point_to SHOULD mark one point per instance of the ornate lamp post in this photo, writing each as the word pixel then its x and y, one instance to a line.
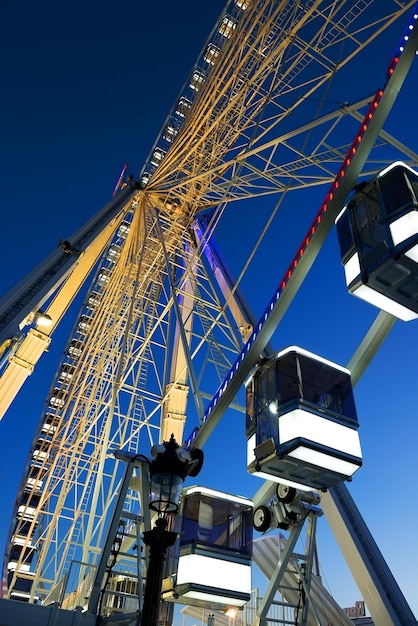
pixel 170 467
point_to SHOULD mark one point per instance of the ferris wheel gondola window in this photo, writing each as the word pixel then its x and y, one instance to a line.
pixel 302 430
pixel 170 133
pixel 183 106
pixel 213 565
pixel 197 80
pixel 211 54
pixel 378 236
pixel 228 25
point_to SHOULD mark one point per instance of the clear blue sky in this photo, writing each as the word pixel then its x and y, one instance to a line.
pixel 86 87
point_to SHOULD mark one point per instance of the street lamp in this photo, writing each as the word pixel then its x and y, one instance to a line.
pixel 167 472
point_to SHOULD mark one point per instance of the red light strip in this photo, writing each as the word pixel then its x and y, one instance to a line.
pixel 125 167
pixel 335 185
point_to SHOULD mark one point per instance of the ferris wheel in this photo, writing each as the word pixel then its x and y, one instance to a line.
pixel 165 338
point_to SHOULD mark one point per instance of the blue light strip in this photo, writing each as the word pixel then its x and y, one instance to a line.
pixel 308 237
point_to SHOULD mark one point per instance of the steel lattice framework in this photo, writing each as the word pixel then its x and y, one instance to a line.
pixel 157 328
